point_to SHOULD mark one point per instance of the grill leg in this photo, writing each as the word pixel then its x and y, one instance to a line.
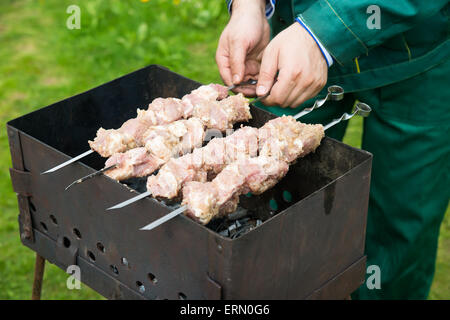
pixel 38 277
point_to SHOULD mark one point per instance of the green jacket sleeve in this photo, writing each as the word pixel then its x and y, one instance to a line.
pixel 342 25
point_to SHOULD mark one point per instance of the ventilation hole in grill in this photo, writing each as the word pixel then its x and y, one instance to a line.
pixel 181 296
pixel 77 233
pixel 101 247
pixel 125 262
pixel 91 255
pixel 53 218
pixel 44 226
pixel 287 196
pixel 114 269
pixel 66 242
pixel 32 207
pixel 140 286
pixel 152 278
pixel 273 204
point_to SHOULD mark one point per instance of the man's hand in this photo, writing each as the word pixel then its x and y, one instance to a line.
pixel 302 69
pixel 242 42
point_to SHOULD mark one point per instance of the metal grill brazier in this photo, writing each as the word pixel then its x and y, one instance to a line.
pixel 310 244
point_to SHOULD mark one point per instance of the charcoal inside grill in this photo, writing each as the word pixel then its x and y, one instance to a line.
pixel 138 184
pixel 237 223
pixel 234 228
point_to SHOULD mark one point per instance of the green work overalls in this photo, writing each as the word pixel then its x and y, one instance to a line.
pixel 402 71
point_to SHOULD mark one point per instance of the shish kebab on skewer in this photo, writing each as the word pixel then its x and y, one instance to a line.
pixel 208 103
pixel 204 201
pixel 166 109
pixel 283 136
pixel 160 111
pixel 280 136
pixel 163 142
pixel 220 196
pixel 160 143
pixel 202 104
pixel 166 180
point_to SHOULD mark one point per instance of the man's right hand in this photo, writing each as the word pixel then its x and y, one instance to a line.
pixel 242 43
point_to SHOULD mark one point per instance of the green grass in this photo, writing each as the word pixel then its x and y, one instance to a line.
pixel 41 62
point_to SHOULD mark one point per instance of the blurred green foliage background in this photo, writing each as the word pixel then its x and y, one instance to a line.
pixel 42 61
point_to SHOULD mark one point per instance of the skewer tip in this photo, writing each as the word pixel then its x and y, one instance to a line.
pixel 164 219
pixel 129 201
pixel 89 176
pixel 72 184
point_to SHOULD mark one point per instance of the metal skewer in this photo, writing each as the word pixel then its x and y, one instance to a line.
pixel 89 176
pixel 260 98
pixel 335 93
pixel 362 110
pixel 84 154
pixel 250 82
pixel 165 218
pixel 130 201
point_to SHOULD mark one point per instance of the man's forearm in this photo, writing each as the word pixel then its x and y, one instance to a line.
pixel 253 6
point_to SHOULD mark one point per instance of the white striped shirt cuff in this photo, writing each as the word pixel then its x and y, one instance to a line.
pixel 325 53
pixel 270 8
